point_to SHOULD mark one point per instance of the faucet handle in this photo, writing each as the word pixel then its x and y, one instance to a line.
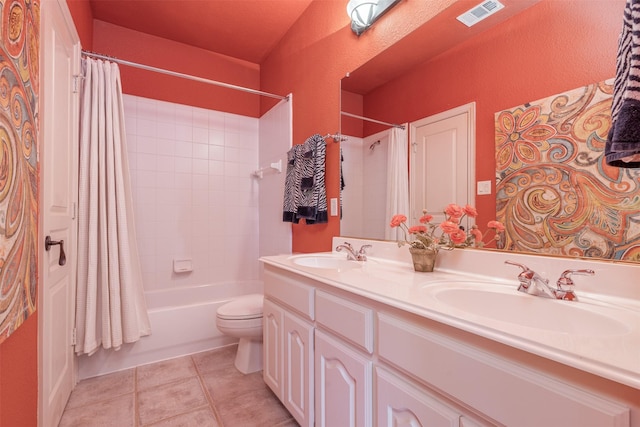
pixel 524 277
pixel 565 283
pixel 363 249
pixel 347 244
pixel 362 253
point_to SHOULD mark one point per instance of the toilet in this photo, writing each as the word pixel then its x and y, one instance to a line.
pixel 242 318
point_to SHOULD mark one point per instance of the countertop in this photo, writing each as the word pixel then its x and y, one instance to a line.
pixel 615 356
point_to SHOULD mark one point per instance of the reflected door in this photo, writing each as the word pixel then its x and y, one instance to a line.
pixel 442 162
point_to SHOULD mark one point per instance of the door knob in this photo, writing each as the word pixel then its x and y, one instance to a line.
pixel 47 245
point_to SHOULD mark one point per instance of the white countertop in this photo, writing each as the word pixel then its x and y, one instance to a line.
pixel 615 356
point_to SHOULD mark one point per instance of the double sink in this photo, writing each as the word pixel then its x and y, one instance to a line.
pixel 494 302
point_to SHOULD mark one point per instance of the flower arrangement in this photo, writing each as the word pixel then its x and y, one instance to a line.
pixel 451 235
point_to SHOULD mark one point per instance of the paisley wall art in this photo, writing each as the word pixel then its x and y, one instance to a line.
pixel 19 73
pixel 554 191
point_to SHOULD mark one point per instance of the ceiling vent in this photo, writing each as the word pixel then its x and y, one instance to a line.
pixel 480 12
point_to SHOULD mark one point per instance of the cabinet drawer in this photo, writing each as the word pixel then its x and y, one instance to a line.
pixel 495 386
pixel 290 292
pixel 346 319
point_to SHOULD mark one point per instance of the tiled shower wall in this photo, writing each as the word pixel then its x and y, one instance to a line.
pixel 194 194
pixel 364 195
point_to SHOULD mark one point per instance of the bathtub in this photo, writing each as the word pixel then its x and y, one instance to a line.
pixel 183 321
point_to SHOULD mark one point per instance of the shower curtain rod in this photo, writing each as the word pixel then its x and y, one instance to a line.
pixel 182 75
pixel 344 113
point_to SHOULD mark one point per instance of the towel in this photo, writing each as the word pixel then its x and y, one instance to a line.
pixel 305 195
pixel 622 148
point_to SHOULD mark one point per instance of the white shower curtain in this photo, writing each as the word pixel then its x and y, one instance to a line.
pixel 397 180
pixel 110 305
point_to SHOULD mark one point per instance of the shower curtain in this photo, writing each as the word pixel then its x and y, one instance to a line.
pixel 110 306
pixel 397 180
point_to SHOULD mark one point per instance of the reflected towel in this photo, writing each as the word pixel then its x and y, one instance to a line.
pixel 622 148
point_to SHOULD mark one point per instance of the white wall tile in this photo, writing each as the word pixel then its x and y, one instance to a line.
pixel 191 201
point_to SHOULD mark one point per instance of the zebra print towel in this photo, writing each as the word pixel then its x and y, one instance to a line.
pixel 305 194
pixel 623 143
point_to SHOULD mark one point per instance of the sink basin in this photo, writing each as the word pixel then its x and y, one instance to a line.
pixel 506 304
pixel 328 261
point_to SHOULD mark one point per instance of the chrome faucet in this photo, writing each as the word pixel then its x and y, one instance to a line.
pixel 352 255
pixel 533 284
pixel 565 284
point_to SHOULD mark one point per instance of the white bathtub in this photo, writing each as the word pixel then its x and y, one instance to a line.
pixel 183 321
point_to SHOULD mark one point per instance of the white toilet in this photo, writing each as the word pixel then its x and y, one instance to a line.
pixel 242 318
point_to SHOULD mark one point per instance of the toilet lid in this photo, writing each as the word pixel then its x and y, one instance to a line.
pixel 244 307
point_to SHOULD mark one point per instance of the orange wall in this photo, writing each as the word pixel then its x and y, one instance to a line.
pixel 83 20
pixel 310 61
pixel 169 55
pixel 552 47
pixel 19 376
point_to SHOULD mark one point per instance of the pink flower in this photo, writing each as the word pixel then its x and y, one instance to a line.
pixel 454 211
pixel 426 218
pixel 449 227
pixel 417 229
pixel 458 237
pixel 470 211
pixel 397 220
pixel 496 224
pixel 476 233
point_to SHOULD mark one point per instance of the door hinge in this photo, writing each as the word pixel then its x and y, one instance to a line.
pixel 73 337
pixel 76 82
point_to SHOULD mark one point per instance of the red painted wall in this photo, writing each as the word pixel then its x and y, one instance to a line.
pixel 552 47
pixel 135 46
pixel 19 376
pixel 83 20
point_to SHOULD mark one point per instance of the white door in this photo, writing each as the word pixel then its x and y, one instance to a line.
pixel 58 179
pixel 442 162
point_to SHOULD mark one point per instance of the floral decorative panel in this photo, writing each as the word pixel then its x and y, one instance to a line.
pixel 555 193
pixel 19 60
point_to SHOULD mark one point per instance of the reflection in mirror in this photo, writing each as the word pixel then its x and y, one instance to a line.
pixel 540 50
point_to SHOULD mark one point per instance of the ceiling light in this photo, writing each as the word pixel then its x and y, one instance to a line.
pixel 363 13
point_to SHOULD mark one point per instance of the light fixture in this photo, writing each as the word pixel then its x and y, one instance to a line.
pixel 363 13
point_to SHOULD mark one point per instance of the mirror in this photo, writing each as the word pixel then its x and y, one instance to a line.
pixel 537 49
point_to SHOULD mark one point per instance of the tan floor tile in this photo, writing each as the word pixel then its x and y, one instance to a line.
pixel 164 372
pixel 253 409
pixel 200 418
pixel 101 388
pixel 170 399
pixel 229 384
pixel 117 412
pixel 209 361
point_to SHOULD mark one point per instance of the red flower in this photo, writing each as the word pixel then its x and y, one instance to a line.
pixel 426 218
pixel 470 211
pixel 449 227
pixel 454 211
pixel 417 229
pixel 476 233
pixel 397 220
pixel 458 237
pixel 496 224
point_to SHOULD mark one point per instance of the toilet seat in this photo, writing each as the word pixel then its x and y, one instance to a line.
pixel 242 308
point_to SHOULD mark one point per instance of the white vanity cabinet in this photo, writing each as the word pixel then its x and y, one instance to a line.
pixel 344 344
pixel 288 338
pixel 341 359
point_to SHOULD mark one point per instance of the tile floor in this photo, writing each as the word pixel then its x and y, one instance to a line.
pixel 199 390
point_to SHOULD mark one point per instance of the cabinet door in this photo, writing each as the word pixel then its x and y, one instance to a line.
pixel 298 369
pixel 273 347
pixel 399 403
pixel 343 384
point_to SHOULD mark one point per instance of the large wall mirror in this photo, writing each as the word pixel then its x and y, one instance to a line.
pixel 534 50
